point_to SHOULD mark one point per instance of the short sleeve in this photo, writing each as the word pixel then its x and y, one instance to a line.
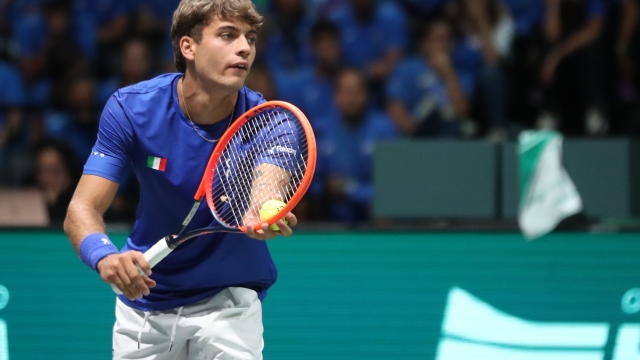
pixel 112 152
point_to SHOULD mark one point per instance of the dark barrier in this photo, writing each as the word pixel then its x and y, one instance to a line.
pixel 440 178
pixel 368 296
pixel 479 180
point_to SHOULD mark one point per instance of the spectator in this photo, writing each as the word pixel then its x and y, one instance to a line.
pixel 346 148
pixel 135 66
pixel 76 122
pixel 101 29
pixel 486 31
pixel 56 176
pixel 286 46
pixel 427 95
pixel 373 34
pixel 312 88
pixel 570 73
pixel 46 48
pixel 152 19
pixel 13 135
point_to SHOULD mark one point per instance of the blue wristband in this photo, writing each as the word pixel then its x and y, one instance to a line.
pixel 94 247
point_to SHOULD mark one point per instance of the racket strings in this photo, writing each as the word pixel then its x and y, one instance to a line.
pixel 266 159
pixel 283 183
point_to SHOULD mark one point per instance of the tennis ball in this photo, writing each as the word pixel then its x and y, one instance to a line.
pixel 269 209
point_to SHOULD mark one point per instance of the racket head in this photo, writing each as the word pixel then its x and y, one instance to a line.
pixel 268 153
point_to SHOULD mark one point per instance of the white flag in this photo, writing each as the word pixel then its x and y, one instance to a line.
pixel 547 194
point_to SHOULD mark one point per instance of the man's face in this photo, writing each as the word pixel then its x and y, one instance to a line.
pixel 135 61
pixel 438 39
pixel 225 53
pixel 351 94
pixel 50 169
pixel 326 49
pixel 81 95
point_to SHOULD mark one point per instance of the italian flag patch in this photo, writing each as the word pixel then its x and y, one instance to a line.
pixel 156 163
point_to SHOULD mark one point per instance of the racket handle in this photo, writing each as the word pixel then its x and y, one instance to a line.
pixel 153 256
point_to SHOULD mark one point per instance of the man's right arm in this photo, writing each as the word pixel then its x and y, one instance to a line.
pixel 84 218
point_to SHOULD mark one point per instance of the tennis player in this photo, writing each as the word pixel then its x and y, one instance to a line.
pixel 204 300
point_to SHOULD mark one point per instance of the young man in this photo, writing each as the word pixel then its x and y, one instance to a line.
pixel 203 300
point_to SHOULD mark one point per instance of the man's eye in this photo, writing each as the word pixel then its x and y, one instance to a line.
pixel 251 39
pixel 226 36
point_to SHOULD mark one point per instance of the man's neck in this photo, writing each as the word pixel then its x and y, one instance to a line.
pixel 205 104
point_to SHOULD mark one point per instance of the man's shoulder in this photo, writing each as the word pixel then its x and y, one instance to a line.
pixel 251 98
pixel 144 101
pixel 158 83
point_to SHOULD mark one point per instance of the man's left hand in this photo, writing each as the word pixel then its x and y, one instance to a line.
pixel 267 233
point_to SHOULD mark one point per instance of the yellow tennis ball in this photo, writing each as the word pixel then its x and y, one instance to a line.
pixel 269 209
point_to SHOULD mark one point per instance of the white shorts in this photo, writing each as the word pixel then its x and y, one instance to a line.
pixel 224 327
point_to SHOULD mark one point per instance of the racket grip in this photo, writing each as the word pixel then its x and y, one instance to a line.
pixel 153 256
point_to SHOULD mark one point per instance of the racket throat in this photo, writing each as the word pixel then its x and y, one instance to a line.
pixel 187 220
pixel 169 240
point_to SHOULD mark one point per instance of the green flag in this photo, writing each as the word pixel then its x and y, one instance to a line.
pixel 547 194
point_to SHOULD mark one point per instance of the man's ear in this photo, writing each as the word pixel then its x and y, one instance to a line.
pixel 187 47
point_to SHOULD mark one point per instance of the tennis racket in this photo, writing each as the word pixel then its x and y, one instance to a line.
pixel 268 153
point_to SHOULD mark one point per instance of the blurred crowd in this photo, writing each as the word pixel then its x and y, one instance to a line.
pixel 362 71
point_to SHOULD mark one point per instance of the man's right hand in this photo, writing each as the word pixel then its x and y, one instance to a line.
pixel 121 270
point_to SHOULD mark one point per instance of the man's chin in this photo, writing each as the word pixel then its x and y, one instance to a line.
pixel 234 84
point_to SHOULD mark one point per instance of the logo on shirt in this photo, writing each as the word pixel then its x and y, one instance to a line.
pixel 156 163
pixel 281 149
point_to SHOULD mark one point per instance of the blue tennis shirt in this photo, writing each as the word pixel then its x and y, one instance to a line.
pixel 143 125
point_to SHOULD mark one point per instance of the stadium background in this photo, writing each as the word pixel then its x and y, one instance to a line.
pixel 375 267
